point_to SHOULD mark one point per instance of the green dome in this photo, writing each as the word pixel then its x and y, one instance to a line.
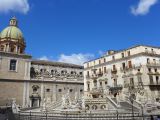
pixel 11 38
pixel 12 32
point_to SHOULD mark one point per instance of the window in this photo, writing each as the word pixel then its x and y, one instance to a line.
pixel 115 82
pixel 47 90
pixel 52 72
pixel 35 88
pixel 152 50
pixel 122 55
pixel 0 62
pixel 105 71
pixel 88 86
pixel 155 70
pixel 99 61
pixel 130 64
pixel 157 79
pixel 139 79
pixel 32 72
pixel 149 69
pixel 104 60
pixel 12 48
pixel 151 79
pixel 87 64
pixel 88 73
pixel 95 83
pixel 131 81
pixel 41 70
pixel 59 90
pixel 154 61
pixel 72 72
pixel 100 71
pixel 71 90
pixel 13 65
pixel 148 60
pixel 80 73
pixel 94 72
pixel 2 48
pixel 62 72
pixel 129 53
pixel 123 66
pixel 113 58
pixel 101 84
pixel 114 67
pixel 21 50
pixel 106 82
pixel 81 90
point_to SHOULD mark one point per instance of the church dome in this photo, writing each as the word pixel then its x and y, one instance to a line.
pixel 12 32
pixel 11 38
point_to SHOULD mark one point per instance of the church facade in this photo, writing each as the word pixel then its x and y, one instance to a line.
pixel 31 82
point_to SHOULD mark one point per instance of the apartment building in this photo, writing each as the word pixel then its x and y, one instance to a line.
pixel 121 74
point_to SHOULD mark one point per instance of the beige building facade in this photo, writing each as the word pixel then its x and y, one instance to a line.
pixel 32 82
pixel 122 75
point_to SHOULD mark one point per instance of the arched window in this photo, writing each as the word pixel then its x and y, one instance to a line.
pixel 94 107
pixel 72 72
pixel 52 72
pixel 21 51
pixel 32 72
pixel 2 48
pixel 80 73
pixel 62 72
pixel 12 48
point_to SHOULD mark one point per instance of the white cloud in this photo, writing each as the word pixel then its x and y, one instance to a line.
pixel 21 6
pixel 43 58
pixel 75 58
pixel 78 59
pixel 143 7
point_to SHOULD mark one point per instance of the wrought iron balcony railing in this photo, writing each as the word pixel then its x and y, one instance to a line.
pixel 114 71
pixel 116 87
pixel 153 64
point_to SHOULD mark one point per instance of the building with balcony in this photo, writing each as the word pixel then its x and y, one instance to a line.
pixel 120 74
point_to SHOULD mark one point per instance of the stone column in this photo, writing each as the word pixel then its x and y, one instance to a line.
pixel 42 91
pixel 26 98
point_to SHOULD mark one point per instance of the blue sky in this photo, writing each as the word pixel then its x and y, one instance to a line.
pixel 78 30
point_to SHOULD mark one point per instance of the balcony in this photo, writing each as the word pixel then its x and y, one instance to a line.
pixel 94 76
pixel 126 68
pixel 153 64
pixel 150 52
pixel 87 77
pixel 100 74
pixel 154 86
pixel 96 90
pixel 115 87
pixel 126 85
pixel 114 71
